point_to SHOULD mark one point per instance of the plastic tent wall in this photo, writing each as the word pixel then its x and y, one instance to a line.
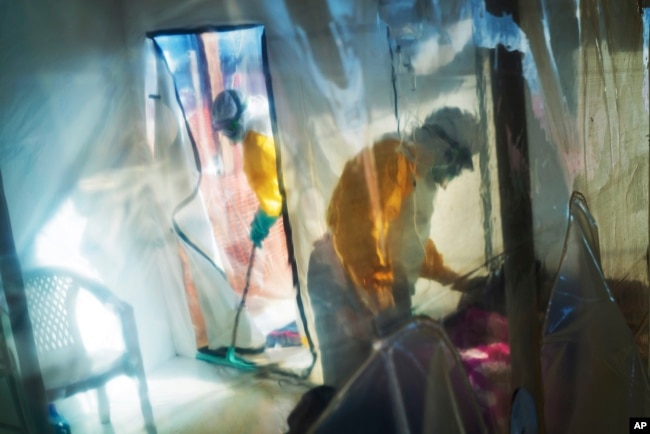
pixel 593 376
pixel 415 382
pixel 399 389
pixel 74 146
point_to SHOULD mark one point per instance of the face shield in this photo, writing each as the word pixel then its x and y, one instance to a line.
pixel 456 158
pixel 451 133
pixel 228 114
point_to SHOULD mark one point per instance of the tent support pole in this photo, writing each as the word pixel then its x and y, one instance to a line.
pixel 508 90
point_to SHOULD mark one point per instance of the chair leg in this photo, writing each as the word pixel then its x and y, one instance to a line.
pixel 145 404
pixel 103 404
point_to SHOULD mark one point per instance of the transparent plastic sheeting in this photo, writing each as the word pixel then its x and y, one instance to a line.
pixel 222 203
pixel 594 379
pixel 214 298
pixel 414 383
pixel 92 182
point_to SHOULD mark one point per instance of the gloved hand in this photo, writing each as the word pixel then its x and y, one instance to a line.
pixel 260 227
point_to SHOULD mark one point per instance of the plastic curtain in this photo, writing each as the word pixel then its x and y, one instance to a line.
pixel 76 151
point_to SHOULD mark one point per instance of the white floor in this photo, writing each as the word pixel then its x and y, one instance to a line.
pixel 191 396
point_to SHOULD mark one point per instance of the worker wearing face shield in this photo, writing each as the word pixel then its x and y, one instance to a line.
pixel 247 122
pixel 382 229
pixel 365 268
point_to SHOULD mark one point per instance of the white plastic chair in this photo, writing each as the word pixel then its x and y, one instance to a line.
pixel 66 366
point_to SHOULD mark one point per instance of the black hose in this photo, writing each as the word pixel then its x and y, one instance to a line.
pixel 242 303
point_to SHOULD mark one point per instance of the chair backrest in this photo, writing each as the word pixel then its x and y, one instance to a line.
pixel 51 300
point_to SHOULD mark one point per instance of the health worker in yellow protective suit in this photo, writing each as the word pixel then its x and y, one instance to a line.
pixel 248 122
pixel 363 271
pixel 380 212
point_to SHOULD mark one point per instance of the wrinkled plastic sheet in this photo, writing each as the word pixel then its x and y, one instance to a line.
pixel 594 379
pixel 413 383
pixel 84 190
